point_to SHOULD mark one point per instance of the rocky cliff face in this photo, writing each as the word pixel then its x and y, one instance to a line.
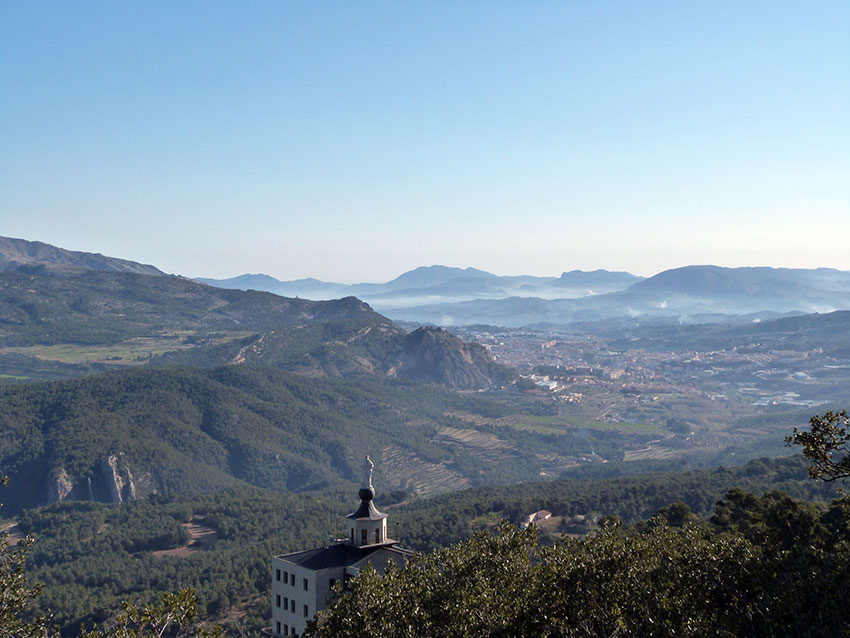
pixel 110 481
pixel 59 486
pixel 118 480
pixel 434 355
pixel 353 348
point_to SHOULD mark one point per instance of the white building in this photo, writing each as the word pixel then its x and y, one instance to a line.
pixel 303 581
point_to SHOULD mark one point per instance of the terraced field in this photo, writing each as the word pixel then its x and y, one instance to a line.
pixel 482 444
pixel 558 424
pixel 422 477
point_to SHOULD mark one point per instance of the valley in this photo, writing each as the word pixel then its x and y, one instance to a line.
pixel 440 320
pixel 711 386
pixel 163 428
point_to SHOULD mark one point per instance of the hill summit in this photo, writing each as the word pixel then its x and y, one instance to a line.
pixel 15 253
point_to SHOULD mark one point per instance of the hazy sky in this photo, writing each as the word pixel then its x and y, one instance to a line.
pixel 354 141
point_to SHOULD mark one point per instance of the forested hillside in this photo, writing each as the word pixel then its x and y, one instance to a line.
pixel 61 324
pixel 446 518
pixel 94 307
pixel 129 433
pixel 91 556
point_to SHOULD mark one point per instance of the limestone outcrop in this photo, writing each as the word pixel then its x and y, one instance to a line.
pixel 110 481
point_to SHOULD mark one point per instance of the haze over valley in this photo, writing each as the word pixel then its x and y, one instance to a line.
pixel 466 319
pixel 549 397
pixel 692 294
pixel 123 383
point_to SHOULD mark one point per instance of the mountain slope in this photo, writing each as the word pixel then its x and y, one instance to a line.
pixel 341 337
pixel 347 348
pixel 20 252
pixel 778 285
pixel 130 433
pixel 433 355
pixel 107 307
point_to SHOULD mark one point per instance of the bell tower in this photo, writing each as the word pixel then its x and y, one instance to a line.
pixel 367 526
pixel 303 581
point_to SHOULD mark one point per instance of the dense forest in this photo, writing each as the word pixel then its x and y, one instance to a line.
pixel 187 430
pixel 38 306
pixel 91 556
pixel 98 319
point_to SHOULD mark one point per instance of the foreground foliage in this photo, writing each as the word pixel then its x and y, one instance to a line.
pixel 827 445
pixel 16 593
pixel 762 567
pixel 173 617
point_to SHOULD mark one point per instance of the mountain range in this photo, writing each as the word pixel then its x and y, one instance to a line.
pixel 446 296
pixel 214 401
pixel 58 305
pixel 442 284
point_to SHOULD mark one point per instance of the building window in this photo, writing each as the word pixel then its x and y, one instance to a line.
pixel 277 577
pixel 292 605
pixel 305 611
pixel 285 629
pixel 285 602
pixel 278 627
pixel 378 535
pixel 331 584
pixel 292 579
pixel 285 577
pixel 305 584
pixel 352 534
pixel 278 600
pixel 364 536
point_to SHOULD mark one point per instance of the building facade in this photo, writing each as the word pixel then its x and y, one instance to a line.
pixel 303 581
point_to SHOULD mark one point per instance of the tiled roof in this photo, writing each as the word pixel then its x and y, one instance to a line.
pixel 368 510
pixel 345 555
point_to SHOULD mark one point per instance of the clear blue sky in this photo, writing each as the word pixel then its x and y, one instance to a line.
pixel 353 141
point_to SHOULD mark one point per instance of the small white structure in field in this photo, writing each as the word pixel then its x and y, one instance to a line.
pixel 542 515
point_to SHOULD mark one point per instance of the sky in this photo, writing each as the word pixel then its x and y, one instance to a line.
pixel 354 141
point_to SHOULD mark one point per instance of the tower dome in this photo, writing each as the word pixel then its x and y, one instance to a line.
pixel 367 525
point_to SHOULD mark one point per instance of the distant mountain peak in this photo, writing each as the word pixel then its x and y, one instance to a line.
pixel 434 355
pixel 424 276
pixel 15 253
pixel 780 289
pixel 597 278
